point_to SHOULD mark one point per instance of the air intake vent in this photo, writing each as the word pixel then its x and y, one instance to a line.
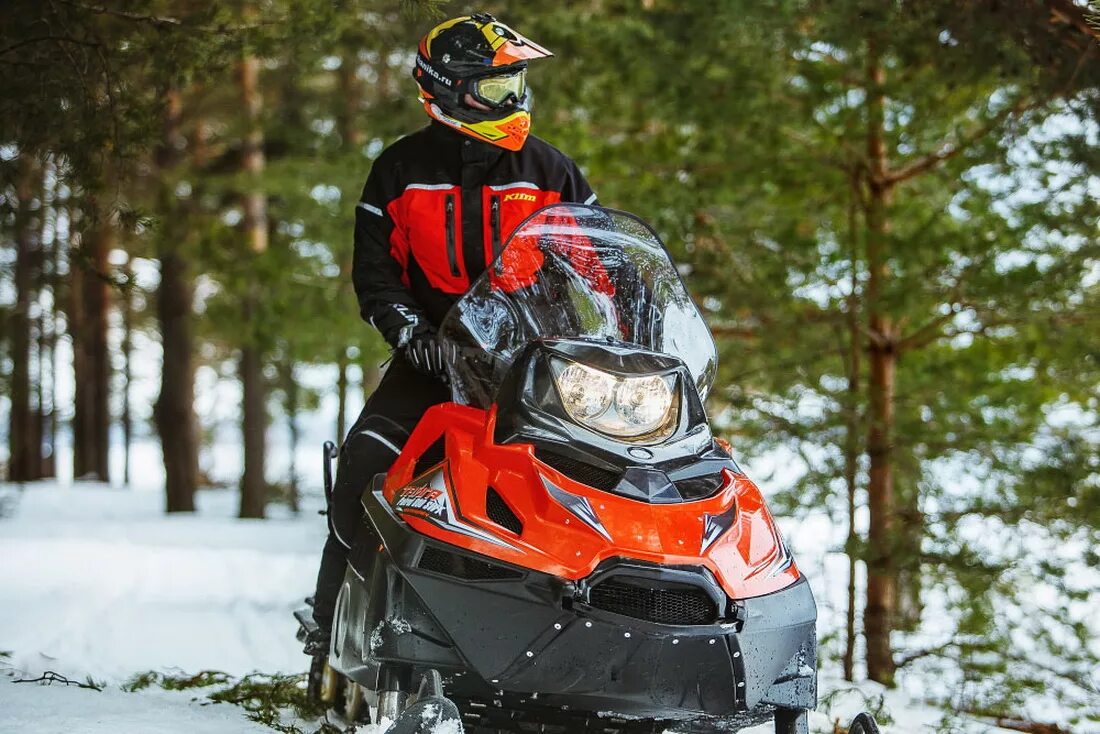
pixel 464 567
pixel 669 605
pixel 499 512
pixel 431 456
pixel 580 471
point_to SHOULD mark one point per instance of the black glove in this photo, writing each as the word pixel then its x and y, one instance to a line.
pixel 427 354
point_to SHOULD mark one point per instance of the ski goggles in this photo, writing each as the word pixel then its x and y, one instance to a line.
pixel 500 90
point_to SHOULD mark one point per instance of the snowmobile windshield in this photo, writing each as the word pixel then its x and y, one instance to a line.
pixel 574 271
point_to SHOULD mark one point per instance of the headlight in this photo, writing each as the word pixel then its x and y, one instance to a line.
pixel 627 407
pixel 586 393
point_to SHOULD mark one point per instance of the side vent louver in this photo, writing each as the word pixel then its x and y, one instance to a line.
pixel 463 567
pixel 499 512
pixel 431 456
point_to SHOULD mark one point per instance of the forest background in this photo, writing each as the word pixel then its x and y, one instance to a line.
pixel 887 211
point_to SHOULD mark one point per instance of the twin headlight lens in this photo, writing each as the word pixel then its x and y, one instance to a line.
pixel 628 407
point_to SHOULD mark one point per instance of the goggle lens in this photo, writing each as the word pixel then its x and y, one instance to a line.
pixel 499 89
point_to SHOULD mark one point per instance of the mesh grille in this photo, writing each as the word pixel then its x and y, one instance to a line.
pixel 431 456
pixel 462 567
pixel 499 512
pixel 697 488
pixel 675 605
pixel 581 471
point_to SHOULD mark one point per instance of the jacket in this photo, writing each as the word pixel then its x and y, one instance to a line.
pixel 436 210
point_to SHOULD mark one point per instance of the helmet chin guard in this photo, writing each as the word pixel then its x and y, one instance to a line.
pixel 478 57
pixel 509 132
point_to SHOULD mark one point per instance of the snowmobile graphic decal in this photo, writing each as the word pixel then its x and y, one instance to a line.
pixel 783 557
pixel 578 506
pixel 428 497
pixel 715 526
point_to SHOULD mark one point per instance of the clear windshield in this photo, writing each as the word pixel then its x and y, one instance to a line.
pixel 574 271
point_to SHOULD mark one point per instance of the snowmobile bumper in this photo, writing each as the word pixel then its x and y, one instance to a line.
pixel 493 628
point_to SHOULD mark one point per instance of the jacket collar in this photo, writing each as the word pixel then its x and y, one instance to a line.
pixel 473 151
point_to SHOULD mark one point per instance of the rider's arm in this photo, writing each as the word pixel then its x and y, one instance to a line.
pixel 576 189
pixel 378 271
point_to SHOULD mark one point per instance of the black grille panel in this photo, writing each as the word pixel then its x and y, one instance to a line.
pixel 463 567
pixel 431 456
pixel 580 471
pixel 668 605
pixel 499 512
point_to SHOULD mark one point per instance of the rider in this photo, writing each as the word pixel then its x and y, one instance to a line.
pixel 437 208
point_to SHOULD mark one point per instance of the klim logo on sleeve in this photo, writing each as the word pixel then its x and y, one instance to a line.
pixel 519 197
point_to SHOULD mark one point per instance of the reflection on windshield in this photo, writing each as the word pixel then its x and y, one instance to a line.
pixel 574 271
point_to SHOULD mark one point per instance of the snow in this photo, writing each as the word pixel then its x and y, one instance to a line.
pixel 58 709
pixel 98 581
pixel 102 580
pixel 399 626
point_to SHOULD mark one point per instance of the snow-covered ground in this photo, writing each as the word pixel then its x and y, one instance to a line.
pixel 98 581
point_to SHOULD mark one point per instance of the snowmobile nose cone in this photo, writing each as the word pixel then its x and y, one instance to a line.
pixel 648 485
pixel 430 715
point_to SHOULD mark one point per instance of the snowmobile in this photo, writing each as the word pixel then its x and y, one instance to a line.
pixel 567 547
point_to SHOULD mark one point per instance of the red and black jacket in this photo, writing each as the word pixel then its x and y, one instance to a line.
pixel 436 210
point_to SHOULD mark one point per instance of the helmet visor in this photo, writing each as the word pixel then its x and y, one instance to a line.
pixel 501 90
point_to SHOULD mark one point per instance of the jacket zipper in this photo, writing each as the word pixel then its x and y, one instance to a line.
pixel 494 223
pixel 452 253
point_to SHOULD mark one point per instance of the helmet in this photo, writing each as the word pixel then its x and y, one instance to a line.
pixel 480 56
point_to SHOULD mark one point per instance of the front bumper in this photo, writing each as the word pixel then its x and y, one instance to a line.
pixel 521 632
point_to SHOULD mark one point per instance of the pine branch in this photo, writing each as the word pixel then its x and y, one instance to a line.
pixel 1014 722
pixel 927 333
pixel 49 677
pixel 947 151
pixel 37 39
pixel 164 21
pixel 1083 19
pixel 740 332
pixel 157 21
pixel 915 655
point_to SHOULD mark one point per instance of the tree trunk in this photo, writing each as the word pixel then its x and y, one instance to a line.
pixel 881 574
pixel 253 484
pixel 38 411
pixel 174 413
pixel 23 450
pixel 852 434
pixel 91 360
pixel 341 396
pixel 75 324
pixel 127 353
pixel 254 200
pixel 47 387
pixel 293 405
pixel 351 93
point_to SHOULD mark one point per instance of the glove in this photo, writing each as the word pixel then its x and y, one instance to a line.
pixel 427 354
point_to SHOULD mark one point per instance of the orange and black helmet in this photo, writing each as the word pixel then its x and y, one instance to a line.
pixel 479 56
